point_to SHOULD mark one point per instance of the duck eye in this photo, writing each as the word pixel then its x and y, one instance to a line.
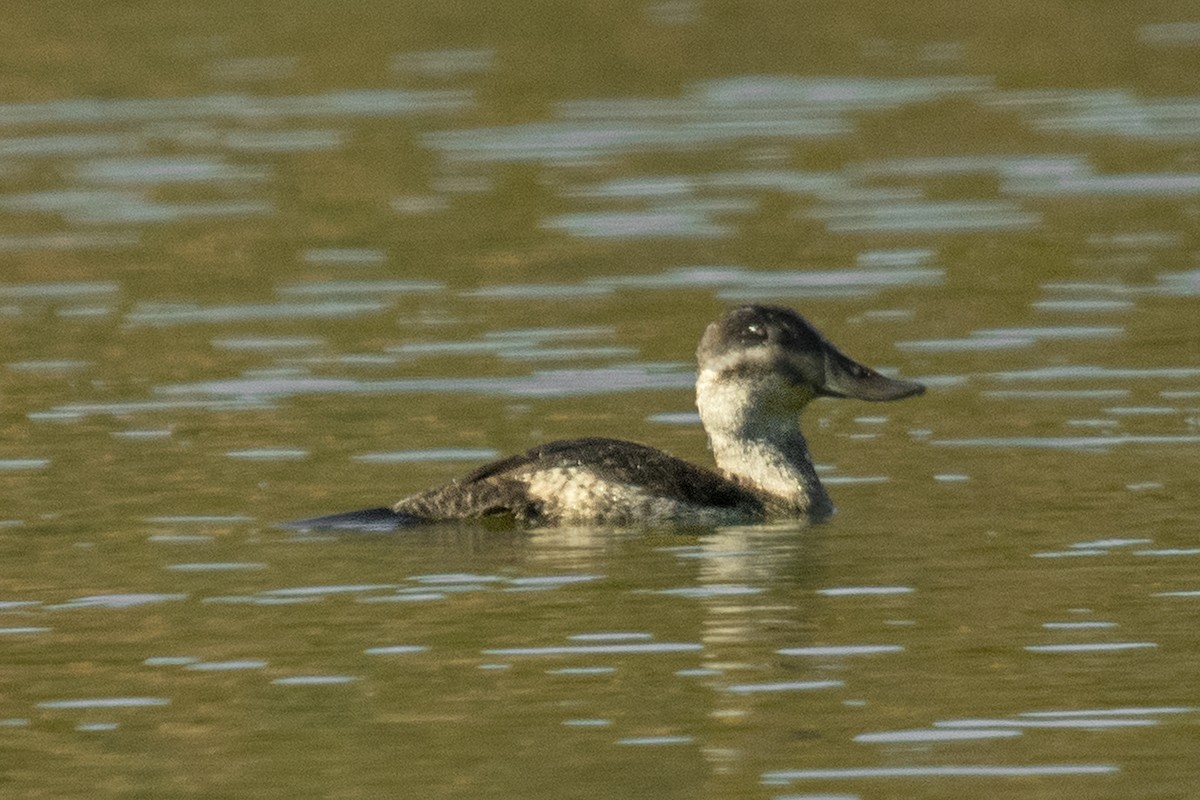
pixel 756 332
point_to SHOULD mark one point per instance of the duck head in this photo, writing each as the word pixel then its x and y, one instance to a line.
pixel 781 363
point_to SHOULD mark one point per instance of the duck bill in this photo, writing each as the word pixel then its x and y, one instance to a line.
pixel 845 377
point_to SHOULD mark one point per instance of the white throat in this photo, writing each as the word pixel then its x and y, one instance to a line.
pixel 753 430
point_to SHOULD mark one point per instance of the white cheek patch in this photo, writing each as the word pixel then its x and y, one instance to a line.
pixel 730 400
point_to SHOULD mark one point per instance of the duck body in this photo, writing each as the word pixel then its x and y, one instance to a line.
pixel 589 481
pixel 759 367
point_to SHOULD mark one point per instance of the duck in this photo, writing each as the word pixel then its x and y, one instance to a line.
pixel 759 367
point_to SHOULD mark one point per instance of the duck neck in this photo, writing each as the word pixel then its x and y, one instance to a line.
pixel 761 449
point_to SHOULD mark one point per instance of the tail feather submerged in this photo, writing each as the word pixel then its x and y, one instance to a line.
pixel 368 520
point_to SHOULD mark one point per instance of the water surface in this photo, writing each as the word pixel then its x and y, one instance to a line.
pixel 252 271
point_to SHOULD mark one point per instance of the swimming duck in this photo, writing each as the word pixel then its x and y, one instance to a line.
pixel 759 367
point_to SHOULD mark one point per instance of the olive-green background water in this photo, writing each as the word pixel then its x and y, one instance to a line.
pixel 268 260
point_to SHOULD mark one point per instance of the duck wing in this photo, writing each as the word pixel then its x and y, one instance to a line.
pixel 622 462
pixel 561 479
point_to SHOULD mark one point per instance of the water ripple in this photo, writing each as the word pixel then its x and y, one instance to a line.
pixel 549 383
pixel 106 702
pixel 601 649
pixel 941 771
pixel 923 735
pixel 360 102
pixel 842 650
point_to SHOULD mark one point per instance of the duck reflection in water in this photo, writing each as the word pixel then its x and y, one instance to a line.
pixel 759 367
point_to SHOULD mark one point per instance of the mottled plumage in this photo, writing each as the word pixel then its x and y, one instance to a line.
pixel 579 480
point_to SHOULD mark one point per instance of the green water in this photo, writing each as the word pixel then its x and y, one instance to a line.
pixel 270 260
